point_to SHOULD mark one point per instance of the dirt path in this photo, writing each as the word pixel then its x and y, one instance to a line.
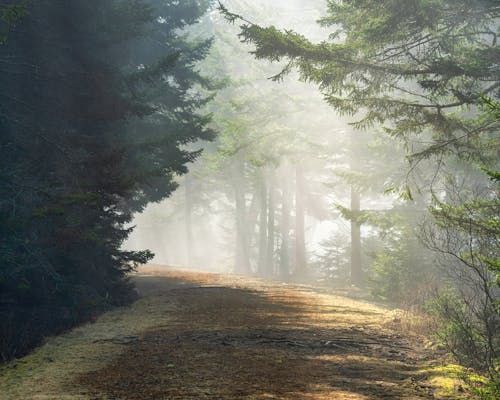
pixel 233 338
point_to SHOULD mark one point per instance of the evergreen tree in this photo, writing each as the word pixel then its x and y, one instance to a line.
pixel 10 14
pixel 424 70
pixel 95 106
pixel 411 65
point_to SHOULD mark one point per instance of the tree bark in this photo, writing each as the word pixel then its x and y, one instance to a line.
pixel 300 240
pixel 262 268
pixel 188 220
pixel 356 267
pixel 284 265
pixel 271 206
pixel 242 252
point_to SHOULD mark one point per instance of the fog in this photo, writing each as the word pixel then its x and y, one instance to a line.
pixel 274 180
pixel 311 153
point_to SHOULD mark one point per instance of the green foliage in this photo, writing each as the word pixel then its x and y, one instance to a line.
pixel 468 336
pixel 487 391
pixel 262 133
pixel 10 14
pixel 420 67
pixel 89 136
pixel 491 106
pixel 334 260
pixel 465 234
pixel 428 72
pixel 403 272
pixel 478 219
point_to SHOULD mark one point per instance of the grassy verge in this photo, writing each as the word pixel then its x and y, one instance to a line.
pixel 456 382
pixel 51 368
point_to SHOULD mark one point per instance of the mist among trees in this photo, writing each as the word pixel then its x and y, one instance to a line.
pixel 351 145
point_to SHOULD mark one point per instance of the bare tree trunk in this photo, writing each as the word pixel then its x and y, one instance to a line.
pixel 262 263
pixel 284 266
pixel 188 220
pixel 271 206
pixel 252 222
pixel 242 251
pixel 356 267
pixel 300 240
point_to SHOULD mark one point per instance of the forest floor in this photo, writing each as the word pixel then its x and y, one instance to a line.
pixel 206 336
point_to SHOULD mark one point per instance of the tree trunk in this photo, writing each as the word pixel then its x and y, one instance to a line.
pixel 188 220
pixel 252 221
pixel 242 252
pixel 356 268
pixel 262 268
pixel 271 206
pixel 284 266
pixel 300 240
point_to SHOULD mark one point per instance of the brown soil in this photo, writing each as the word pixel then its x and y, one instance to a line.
pixel 240 338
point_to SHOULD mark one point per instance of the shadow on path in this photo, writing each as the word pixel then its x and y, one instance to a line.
pixel 257 343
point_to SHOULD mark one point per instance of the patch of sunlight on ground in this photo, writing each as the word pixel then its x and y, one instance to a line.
pixel 49 372
pixel 318 392
pixel 449 380
pixel 325 392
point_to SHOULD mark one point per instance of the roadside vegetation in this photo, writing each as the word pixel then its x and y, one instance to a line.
pixel 346 144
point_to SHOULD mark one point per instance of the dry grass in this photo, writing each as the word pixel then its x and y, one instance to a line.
pixel 412 323
pixel 205 336
pixel 48 373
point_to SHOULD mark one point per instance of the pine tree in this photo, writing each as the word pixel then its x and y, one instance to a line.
pixel 91 131
pixel 413 66
pixel 423 70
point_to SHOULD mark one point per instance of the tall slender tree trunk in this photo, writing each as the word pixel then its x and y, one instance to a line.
pixel 188 220
pixel 242 251
pixel 262 262
pixel 284 265
pixel 252 219
pixel 356 267
pixel 271 206
pixel 300 240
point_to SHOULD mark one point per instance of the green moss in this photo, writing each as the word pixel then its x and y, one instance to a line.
pixel 18 370
pixel 454 381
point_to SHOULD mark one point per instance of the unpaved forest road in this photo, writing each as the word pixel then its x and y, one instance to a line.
pixel 229 337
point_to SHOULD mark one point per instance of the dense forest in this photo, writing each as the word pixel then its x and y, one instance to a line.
pixel 349 144
pixel 97 106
